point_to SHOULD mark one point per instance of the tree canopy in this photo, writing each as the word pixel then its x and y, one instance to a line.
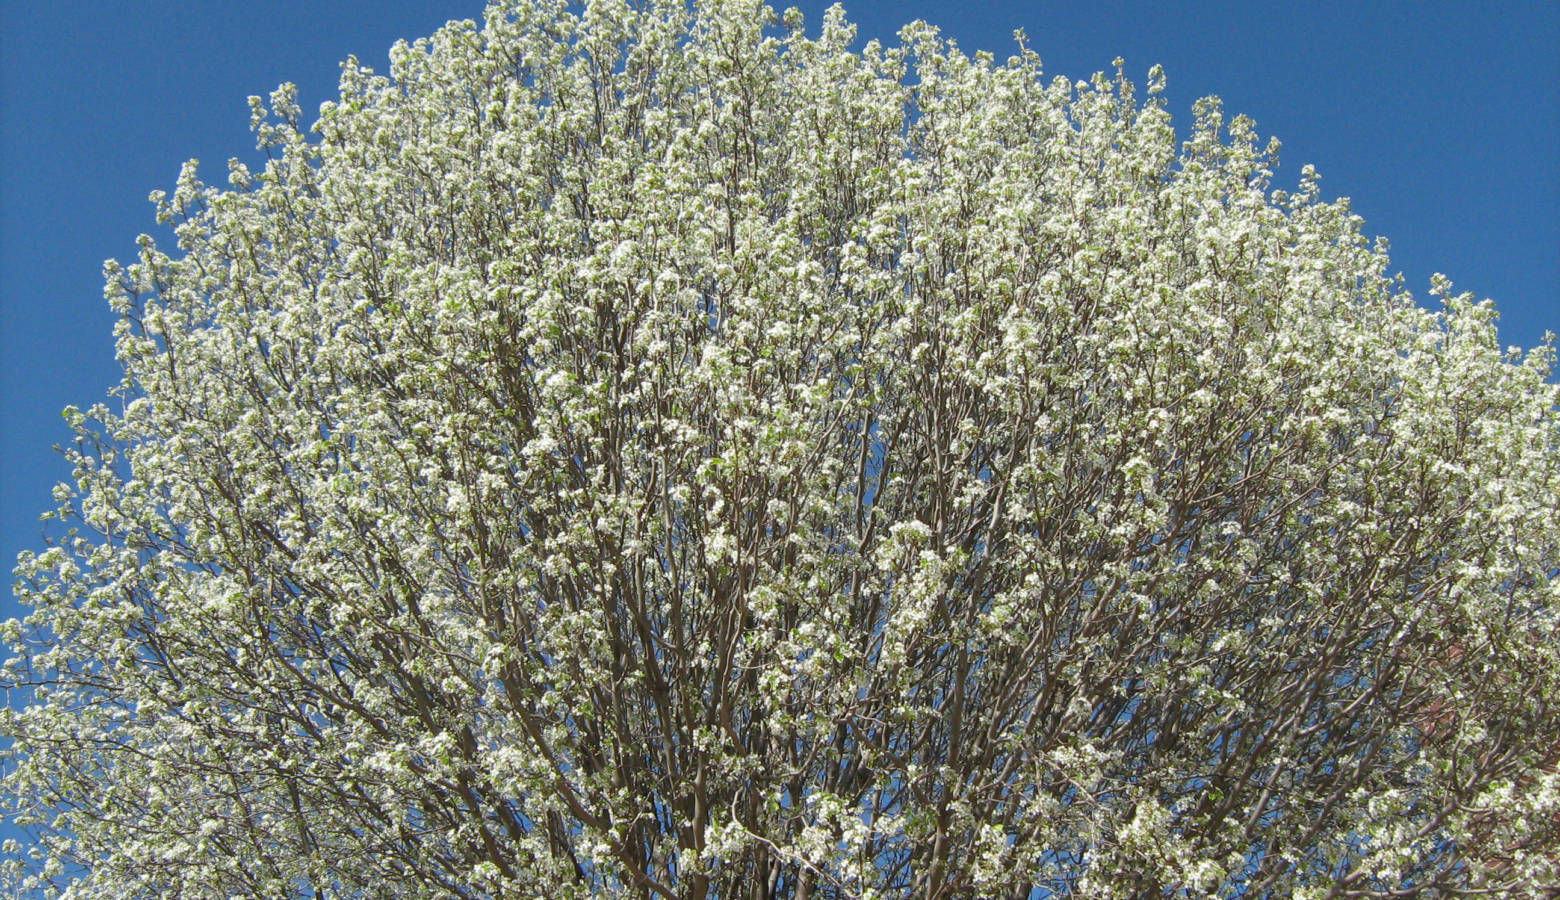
pixel 651 450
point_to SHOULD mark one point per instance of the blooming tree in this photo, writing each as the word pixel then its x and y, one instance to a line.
pixel 641 450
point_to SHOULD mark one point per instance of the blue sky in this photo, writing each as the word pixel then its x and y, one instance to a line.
pixel 1441 120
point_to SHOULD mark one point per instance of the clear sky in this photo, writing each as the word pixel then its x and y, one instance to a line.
pixel 1441 120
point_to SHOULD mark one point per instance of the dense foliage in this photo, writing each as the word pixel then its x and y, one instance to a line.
pixel 635 450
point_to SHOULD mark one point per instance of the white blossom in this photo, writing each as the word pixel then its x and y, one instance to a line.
pixel 652 449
